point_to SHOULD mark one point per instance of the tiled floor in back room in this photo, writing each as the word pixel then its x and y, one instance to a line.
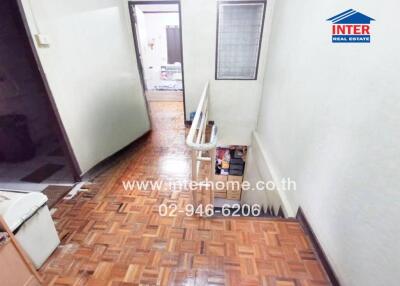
pixel 48 153
pixel 114 237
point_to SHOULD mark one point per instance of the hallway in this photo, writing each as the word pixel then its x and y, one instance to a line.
pixel 116 237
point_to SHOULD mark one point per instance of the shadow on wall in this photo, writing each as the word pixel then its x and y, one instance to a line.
pixel 21 88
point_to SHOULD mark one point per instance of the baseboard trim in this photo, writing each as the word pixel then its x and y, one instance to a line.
pixel 300 216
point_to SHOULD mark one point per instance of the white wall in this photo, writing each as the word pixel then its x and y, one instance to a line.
pixel 91 69
pixel 253 172
pixel 234 103
pixel 330 119
pixel 259 169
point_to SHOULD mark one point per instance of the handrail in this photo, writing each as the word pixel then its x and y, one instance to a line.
pixel 196 141
pixel 198 131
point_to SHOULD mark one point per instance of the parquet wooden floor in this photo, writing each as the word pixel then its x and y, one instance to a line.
pixel 117 238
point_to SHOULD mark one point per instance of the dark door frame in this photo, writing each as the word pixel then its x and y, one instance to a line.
pixel 72 162
pixel 131 6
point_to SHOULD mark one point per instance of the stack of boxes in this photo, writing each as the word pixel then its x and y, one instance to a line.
pixel 234 190
pixel 220 181
pixel 229 172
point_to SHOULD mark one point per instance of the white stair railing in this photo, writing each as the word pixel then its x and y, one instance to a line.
pixel 196 140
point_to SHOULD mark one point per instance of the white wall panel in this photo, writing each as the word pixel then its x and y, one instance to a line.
pixel 91 69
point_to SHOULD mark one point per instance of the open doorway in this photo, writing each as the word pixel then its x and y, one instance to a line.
pixel 33 152
pixel 158 43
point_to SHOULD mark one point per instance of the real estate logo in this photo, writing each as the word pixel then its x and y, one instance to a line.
pixel 351 27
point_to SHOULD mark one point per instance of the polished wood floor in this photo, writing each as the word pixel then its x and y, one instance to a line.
pixel 117 238
pixel 164 95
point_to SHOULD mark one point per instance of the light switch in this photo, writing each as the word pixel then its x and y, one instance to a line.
pixel 42 40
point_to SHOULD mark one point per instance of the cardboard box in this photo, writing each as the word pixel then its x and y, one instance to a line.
pixel 220 178
pixel 235 178
pixel 233 194
pixel 233 186
pixel 220 182
pixel 234 183
pixel 220 194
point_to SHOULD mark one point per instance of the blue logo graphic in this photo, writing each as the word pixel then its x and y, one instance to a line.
pixel 351 27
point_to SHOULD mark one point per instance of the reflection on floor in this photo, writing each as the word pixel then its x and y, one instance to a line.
pixel 48 167
pixel 159 95
pixel 113 237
